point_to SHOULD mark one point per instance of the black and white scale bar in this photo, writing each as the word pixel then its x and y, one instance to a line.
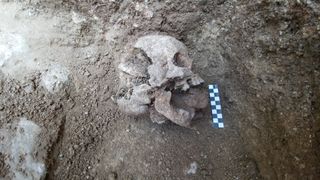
pixel 215 103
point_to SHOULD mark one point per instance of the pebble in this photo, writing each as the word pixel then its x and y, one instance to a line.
pixel 193 168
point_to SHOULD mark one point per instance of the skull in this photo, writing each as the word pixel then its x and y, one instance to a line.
pixel 169 57
pixel 156 76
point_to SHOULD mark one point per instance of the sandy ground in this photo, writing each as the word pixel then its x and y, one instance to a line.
pixel 58 64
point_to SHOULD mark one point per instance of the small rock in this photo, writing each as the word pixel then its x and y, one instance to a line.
pixel 55 78
pixel 29 88
pixel 193 168
pixel 60 156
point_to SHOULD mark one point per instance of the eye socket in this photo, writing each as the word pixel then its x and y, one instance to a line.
pixel 179 60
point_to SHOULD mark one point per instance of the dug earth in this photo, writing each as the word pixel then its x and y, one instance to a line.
pixel 117 89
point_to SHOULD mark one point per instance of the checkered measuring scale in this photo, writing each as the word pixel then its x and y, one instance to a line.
pixel 215 103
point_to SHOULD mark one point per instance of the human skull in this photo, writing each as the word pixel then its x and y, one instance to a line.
pixel 156 76
pixel 169 58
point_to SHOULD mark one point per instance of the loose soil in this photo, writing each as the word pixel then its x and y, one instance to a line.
pixel 263 54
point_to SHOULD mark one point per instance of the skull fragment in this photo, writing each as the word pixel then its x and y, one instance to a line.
pixel 156 78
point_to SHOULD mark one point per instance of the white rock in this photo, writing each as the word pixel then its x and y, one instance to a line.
pixel 193 168
pixel 11 44
pixel 55 78
pixel 22 143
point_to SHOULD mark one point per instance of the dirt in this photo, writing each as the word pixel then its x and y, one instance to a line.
pixel 263 54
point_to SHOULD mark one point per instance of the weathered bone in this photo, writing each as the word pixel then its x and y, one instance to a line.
pixel 163 52
pixel 156 117
pixel 179 116
pixel 135 66
pixel 158 65
pixel 138 102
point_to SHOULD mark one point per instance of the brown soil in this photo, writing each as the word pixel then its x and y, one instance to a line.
pixel 263 54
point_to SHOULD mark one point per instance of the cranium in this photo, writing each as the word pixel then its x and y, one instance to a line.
pixel 156 76
pixel 169 59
